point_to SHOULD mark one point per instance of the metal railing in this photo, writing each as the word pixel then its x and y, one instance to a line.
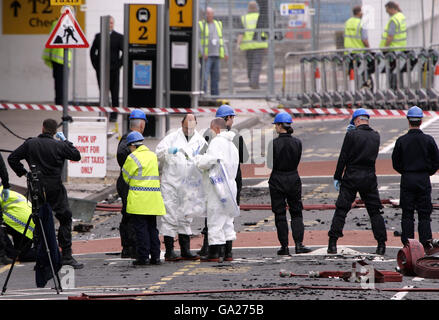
pixel 389 78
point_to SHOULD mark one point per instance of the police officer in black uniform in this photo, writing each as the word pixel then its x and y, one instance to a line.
pixel 49 156
pixel 416 157
pixel 127 235
pixel 5 193
pixel 357 160
pixel 283 157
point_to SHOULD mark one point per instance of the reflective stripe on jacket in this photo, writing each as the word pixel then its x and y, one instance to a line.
pixel 141 173
pixel 16 212
pixel 352 34
pixel 205 36
pixel 400 37
pixel 250 21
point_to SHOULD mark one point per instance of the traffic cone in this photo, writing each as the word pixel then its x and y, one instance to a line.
pixel 436 78
pixel 352 81
pixel 318 80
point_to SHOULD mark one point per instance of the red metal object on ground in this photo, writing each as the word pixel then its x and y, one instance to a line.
pixel 428 267
pixel 408 256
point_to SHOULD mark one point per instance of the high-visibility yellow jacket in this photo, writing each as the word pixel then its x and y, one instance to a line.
pixel 16 212
pixel 141 172
pixel 55 54
pixel 205 36
pixel 352 34
pixel 250 21
pixel 400 37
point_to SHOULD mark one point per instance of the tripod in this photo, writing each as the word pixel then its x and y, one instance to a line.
pixel 38 199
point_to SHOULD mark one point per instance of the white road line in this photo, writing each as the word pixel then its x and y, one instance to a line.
pixel 388 148
pixel 401 295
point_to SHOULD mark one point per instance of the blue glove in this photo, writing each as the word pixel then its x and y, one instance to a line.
pixel 172 150
pixel 337 185
pixel 61 136
pixel 5 194
pixel 350 127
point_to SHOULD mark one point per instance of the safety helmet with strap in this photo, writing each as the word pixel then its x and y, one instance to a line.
pixel 135 138
pixel 359 113
pixel 138 114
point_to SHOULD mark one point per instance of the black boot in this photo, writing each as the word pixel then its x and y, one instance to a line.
pixel 381 248
pixel 204 249
pixel 332 245
pixel 213 255
pixel 283 251
pixel 186 254
pixel 126 253
pixel 228 256
pixel 170 254
pixel 67 259
pixel 300 248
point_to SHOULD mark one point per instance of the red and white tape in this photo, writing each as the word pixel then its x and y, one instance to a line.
pixel 161 111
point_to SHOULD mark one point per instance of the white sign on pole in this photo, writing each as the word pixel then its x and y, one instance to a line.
pixel 90 138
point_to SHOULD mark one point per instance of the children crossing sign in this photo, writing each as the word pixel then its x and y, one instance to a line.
pixel 67 33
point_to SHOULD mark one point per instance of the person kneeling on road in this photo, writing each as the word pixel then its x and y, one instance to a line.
pixel 144 201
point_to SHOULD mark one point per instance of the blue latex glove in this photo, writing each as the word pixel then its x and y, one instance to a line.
pixel 60 136
pixel 172 150
pixel 350 127
pixel 337 185
pixel 5 194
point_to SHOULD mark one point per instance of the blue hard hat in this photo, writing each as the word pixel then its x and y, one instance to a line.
pixel 138 114
pixel 224 111
pixel 359 112
pixel 415 112
pixel 283 117
pixel 134 137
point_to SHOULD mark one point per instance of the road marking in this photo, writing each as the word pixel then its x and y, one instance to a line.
pixel 402 294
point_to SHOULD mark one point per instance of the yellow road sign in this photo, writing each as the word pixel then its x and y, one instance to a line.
pixel 143 24
pixel 180 13
pixel 65 2
pixel 32 16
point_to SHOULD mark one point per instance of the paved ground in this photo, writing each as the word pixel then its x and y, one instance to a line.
pixel 256 265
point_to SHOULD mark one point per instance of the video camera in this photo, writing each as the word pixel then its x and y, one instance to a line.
pixel 35 188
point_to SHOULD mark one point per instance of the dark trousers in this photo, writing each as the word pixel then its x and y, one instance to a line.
pixel 255 58
pixel 114 86
pixel 58 75
pixel 126 229
pixel 287 189
pixel 20 242
pixel 415 194
pixel 56 196
pixel 147 236
pixel 369 194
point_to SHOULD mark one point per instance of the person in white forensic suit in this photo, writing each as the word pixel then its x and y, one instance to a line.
pixel 175 154
pixel 219 221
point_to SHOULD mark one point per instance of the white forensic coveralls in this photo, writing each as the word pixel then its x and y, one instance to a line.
pixel 219 223
pixel 173 169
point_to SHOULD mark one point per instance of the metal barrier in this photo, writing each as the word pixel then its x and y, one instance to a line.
pixel 377 78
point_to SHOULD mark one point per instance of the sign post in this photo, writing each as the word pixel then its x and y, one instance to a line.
pixel 66 34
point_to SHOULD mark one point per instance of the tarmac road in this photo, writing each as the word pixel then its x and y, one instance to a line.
pixel 256 265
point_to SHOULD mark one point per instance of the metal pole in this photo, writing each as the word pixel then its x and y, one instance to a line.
pixel 432 21
pixel 423 23
pixel 271 60
pixel 195 49
pixel 167 66
pixel 160 58
pixel 65 102
pixel 229 33
pixel 126 31
pixel 104 62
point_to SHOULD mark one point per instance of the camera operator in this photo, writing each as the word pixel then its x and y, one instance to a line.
pixel 49 155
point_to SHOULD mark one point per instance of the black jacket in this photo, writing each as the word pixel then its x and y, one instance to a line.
pixel 284 153
pixel 359 151
pixel 46 153
pixel 116 51
pixel 4 174
pixel 415 152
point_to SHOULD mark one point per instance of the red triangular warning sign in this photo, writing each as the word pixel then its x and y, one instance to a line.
pixel 67 33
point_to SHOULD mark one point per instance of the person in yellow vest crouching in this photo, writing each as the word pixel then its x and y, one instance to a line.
pixel 16 211
pixel 145 202
pixel 253 43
